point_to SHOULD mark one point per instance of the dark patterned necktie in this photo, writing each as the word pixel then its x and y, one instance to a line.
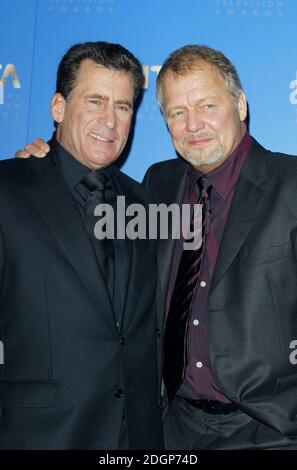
pixel 187 281
pixel 95 182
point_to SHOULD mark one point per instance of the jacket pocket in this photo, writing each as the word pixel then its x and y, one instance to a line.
pixel 286 384
pixel 27 393
pixel 267 255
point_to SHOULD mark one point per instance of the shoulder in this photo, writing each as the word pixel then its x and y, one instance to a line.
pixel 282 167
pixel 282 161
pixel 10 164
pixel 10 170
pixel 161 173
pixel 270 169
pixel 130 187
pixel 16 173
pixel 163 167
pixel 276 160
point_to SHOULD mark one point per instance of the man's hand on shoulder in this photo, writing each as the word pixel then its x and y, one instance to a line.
pixel 38 148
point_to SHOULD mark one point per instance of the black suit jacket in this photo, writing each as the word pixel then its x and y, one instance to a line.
pixel 69 372
pixel 252 308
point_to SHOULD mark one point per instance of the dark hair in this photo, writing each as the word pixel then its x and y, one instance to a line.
pixel 189 58
pixel 112 56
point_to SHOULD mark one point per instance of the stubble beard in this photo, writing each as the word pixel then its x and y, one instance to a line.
pixel 204 159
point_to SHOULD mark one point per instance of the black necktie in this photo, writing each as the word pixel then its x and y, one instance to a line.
pixel 187 281
pixel 95 182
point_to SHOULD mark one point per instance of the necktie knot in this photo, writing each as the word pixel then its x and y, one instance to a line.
pixel 204 186
pixel 94 181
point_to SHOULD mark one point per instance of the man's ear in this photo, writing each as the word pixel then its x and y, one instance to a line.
pixel 58 107
pixel 242 106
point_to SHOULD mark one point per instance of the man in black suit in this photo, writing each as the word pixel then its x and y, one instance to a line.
pixel 79 329
pixel 230 378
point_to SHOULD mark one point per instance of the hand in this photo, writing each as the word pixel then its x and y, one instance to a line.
pixel 38 148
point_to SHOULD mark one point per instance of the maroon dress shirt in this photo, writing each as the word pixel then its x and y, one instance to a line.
pixel 199 382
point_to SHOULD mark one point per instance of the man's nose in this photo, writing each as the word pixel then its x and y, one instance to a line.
pixel 195 121
pixel 109 117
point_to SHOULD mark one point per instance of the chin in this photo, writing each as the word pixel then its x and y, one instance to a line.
pixel 205 160
pixel 100 161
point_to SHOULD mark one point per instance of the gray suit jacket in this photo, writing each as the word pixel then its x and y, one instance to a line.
pixel 252 308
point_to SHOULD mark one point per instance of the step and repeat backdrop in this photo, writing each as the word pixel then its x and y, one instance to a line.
pixel 259 36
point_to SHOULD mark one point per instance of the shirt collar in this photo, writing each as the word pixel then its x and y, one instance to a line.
pixel 224 178
pixel 72 170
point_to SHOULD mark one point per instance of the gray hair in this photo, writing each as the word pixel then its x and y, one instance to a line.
pixel 189 58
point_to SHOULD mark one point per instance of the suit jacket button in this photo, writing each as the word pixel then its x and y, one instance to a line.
pixel 158 332
pixel 122 340
pixel 119 393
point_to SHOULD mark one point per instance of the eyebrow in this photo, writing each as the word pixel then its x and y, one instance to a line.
pixel 105 98
pixel 183 106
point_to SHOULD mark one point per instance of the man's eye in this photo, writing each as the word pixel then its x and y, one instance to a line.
pixel 209 106
pixel 97 102
pixel 176 114
pixel 124 108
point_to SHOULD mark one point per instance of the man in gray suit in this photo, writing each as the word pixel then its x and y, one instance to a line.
pixel 231 383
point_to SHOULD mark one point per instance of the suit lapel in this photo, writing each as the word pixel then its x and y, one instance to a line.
pixel 123 248
pixel 56 206
pixel 166 247
pixel 244 210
